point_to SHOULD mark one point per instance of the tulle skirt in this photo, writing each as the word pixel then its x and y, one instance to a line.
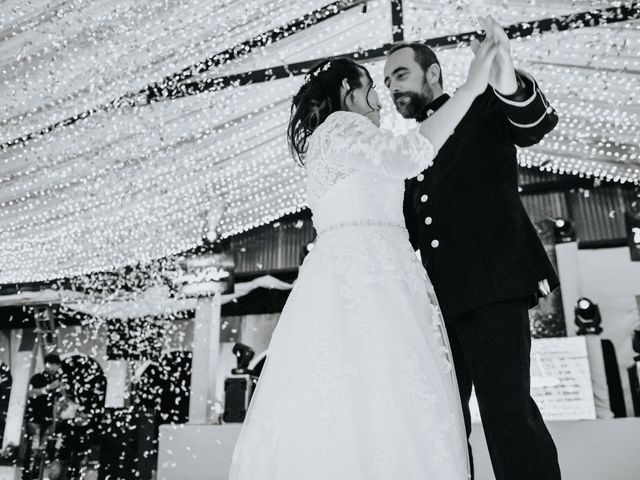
pixel 358 383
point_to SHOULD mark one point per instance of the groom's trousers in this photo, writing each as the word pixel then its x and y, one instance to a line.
pixel 491 349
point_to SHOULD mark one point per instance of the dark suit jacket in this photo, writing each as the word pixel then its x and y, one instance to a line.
pixel 464 212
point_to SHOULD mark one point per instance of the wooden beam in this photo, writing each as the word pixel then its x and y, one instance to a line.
pixel 397 24
pixel 158 89
pixel 520 30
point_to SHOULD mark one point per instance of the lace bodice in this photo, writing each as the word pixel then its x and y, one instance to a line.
pixel 356 171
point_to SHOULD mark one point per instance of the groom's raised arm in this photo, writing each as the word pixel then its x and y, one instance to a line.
pixel 529 115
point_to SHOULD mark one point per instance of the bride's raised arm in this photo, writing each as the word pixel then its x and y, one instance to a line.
pixel 354 141
pixel 439 126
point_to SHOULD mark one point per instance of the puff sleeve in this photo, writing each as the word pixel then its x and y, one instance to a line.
pixel 355 142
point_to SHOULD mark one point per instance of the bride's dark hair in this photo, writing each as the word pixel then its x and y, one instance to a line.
pixel 319 97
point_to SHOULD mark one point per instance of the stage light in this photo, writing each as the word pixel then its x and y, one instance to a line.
pixel 243 354
pixel 563 230
pixel 635 343
pixel 634 373
pixel 587 317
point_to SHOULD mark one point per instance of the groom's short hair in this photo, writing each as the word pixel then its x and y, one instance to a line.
pixel 422 54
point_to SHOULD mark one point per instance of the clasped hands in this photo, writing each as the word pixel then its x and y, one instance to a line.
pixel 503 75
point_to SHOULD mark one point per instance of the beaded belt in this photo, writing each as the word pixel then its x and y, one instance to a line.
pixel 361 224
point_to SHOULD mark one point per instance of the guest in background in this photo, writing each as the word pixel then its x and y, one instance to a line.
pixel 5 393
pixel 70 436
pixel 43 389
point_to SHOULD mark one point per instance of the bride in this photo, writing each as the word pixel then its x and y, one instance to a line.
pixel 359 384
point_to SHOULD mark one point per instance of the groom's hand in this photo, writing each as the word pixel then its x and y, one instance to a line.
pixel 503 75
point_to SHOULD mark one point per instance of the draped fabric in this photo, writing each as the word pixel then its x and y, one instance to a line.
pixel 136 180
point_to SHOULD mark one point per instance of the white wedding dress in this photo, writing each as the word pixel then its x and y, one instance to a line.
pixel 358 383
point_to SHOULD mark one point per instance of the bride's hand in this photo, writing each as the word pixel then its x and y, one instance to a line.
pixel 503 76
pixel 480 68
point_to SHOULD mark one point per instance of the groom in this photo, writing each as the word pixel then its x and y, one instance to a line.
pixel 479 247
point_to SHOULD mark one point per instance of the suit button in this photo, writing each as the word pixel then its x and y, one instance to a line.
pixel 435 243
pixel 420 177
pixel 428 220
pixel 424 198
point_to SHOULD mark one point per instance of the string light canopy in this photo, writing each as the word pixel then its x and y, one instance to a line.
pixel 125 125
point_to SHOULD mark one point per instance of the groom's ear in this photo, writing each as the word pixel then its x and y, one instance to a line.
pixel 345 84
pixel 433 74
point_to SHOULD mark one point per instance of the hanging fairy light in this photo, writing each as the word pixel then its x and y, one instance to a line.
pixel 105 183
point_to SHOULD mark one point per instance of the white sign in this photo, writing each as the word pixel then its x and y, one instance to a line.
pixel 560 380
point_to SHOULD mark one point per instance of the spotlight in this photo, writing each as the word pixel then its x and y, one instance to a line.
pixel 563 230
pixel 632 226
pixel 635 343
pixel 587 317
pixel 634 373
pixel 243 354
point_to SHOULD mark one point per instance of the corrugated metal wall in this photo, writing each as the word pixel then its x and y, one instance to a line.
pixel 543 209
pixel 598 213
pixel 276 246
pixel 546 206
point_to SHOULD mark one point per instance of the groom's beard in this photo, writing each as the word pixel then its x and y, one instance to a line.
pixel 413 104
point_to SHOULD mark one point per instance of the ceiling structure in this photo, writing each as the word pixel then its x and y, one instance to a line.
pixel 126 129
